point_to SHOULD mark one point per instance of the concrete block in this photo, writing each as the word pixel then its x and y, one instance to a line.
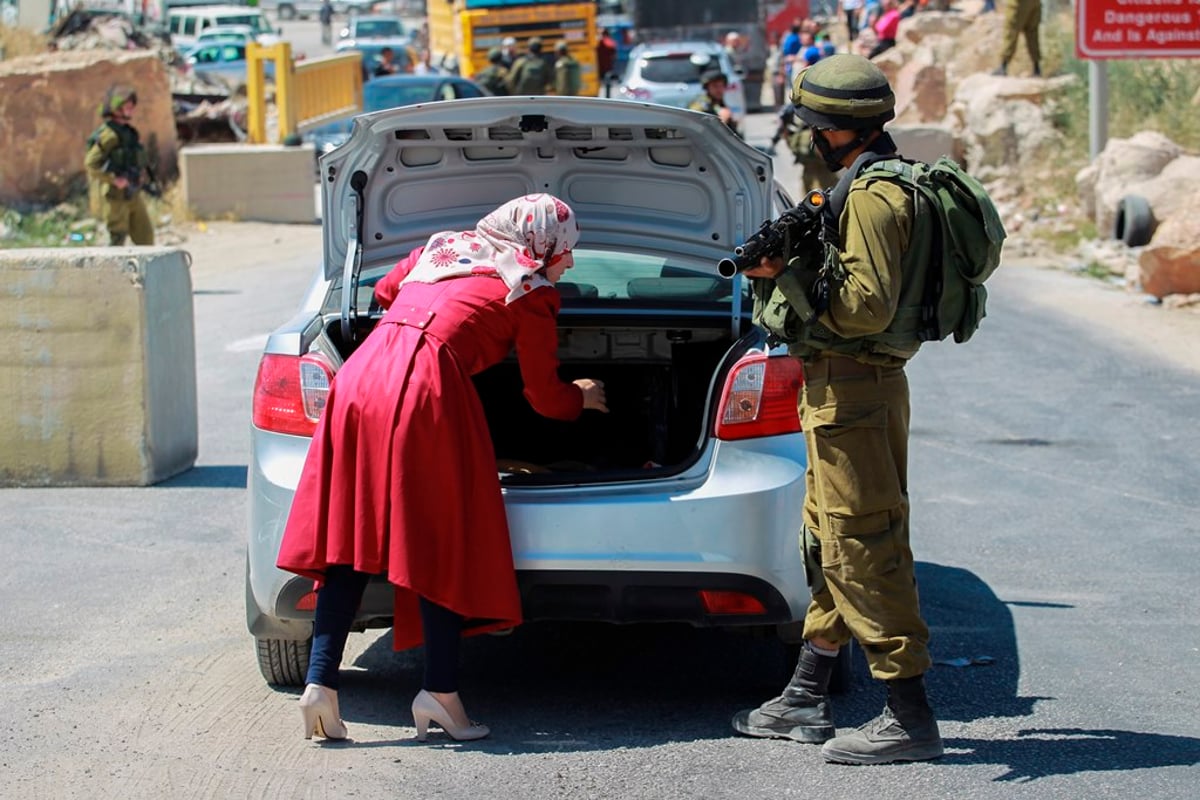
pixel 261 182
pixel 98 371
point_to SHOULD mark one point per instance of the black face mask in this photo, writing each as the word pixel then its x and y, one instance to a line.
pixel 833 156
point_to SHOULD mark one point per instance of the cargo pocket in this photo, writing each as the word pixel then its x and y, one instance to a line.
pixel 854 469
pixel 866 546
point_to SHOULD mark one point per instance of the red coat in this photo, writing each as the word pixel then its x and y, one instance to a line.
pixel 401 475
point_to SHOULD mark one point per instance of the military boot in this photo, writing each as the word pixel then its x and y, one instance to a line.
pixel 905 731
pixel 801 713
pixel 1001 70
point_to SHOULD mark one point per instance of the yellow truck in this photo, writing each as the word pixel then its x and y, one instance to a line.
pixel 465 30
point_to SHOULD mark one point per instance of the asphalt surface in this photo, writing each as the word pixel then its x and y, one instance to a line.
pixel 1054 466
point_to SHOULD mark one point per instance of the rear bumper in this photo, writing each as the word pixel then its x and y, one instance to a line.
pixel 615 553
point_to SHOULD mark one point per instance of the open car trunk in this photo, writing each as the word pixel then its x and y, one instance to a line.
pixel 659 385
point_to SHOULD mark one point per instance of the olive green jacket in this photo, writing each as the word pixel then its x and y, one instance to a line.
pixel 865 273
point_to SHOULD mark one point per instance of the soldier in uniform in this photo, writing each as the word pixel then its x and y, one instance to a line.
pixel 854 410
pixel 116 160
pixel 1021 18
pixel 530 74
pixel 712 99
pixel 494 76
pixel 566 71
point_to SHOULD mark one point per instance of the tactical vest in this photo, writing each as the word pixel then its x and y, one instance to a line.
pixel 900 340
pixel 128 155
pixel 529 75
pixel 566 77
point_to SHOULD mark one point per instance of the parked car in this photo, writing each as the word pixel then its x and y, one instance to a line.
pixel 393 91
pixel 680 505
pixel 186 23
pixel 303 9
pixel 227 33
pixel 372 26
pixel 225 60
pixel 669 73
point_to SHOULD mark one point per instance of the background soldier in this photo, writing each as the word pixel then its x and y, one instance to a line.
pixel 566 71
pixel 494 76
pixel 834 302
pixel 116 160
pixel 325 15
pixel 1021 17
pixel 817 174
pixel 712 99
pixel 530 73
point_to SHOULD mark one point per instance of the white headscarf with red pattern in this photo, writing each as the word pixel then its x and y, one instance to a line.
pixel 513 243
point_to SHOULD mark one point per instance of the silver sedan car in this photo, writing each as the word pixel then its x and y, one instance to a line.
pixel 683 503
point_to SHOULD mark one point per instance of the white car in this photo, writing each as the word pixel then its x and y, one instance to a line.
pixel 669 73
pixel 683 504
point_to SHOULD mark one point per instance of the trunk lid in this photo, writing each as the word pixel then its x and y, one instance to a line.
pixel 641 177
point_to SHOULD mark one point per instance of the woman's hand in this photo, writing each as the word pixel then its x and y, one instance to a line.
pixel 593 394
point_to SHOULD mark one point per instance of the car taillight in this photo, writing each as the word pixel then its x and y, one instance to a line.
pixel 725 602
pixel 759 398
pixel 290 393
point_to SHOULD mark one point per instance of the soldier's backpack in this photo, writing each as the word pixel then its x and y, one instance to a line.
pixel 529 75
pixel 967 237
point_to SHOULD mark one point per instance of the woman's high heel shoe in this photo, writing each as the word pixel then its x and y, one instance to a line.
pixel 319 708
pixel 426 709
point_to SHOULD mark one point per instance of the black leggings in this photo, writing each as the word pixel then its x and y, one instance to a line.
pixel 337 603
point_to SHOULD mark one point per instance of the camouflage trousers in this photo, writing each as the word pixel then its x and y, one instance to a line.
pixel 855 420
pixel 128 218
pixel 1022 17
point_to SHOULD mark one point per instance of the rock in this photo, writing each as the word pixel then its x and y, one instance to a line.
pixel 1170 264
pixel 1122 168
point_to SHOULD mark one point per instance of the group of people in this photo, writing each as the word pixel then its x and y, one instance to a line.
pixel 404 423
pixel 530 72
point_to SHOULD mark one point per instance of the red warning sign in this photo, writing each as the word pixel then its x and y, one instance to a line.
pixel 1137 28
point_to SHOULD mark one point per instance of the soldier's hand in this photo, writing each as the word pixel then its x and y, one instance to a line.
pixel 120 181
pixel 768 267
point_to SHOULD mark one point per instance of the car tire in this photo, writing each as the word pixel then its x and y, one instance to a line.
pixel 1134 223
pixel 283 662
pixel 286 12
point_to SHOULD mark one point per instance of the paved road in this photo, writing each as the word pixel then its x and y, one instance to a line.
pixel 1054 469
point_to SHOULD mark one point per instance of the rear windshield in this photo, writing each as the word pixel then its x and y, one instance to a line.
pixel 256 22
pixel 610 279
pixel 673 68
pixel 378 28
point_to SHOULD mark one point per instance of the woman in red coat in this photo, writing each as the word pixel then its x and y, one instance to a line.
pixel 401 476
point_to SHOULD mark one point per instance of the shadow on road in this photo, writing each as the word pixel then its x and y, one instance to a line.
pixel 1043 752
pixel 593 687
pixel 217 476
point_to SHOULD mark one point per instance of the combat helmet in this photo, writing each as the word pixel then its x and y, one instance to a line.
pixel 843 91
pixel 116 97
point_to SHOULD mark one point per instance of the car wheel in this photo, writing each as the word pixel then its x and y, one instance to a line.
pixel 286 12
pixel 1134 224
pixel 283 662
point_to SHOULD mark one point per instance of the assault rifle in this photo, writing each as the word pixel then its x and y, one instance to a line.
pixel 133 176
pixel 794 225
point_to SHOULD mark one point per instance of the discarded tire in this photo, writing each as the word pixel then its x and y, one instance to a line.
pixel 1134 224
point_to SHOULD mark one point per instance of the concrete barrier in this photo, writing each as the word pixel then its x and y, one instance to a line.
pixel 98 370
pixel 261 182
